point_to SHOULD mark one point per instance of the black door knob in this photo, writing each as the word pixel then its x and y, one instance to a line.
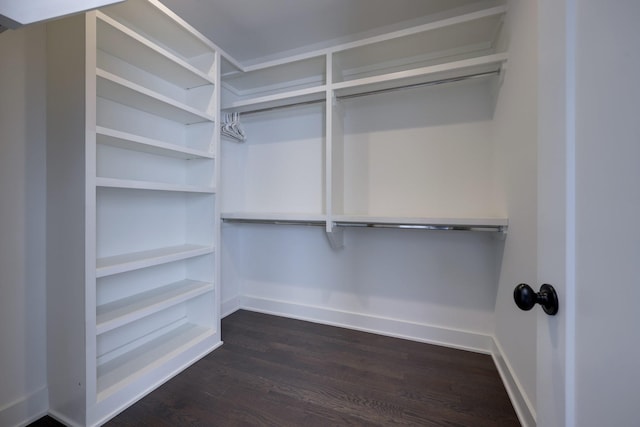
pixel 526 298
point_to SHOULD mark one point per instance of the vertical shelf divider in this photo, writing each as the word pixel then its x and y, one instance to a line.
pixel 333 156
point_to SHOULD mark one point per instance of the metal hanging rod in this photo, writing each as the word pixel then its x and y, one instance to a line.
pixel 275 222
pixel 279 107
pixel 423 84
pixel 423 226
pixel 432 227
pixel 378 91
pixel 408 226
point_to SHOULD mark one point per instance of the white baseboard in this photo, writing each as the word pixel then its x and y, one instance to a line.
pixel 62 419
pixel 521 404
pixel 464 340
pixel 26 410
pixel 230 306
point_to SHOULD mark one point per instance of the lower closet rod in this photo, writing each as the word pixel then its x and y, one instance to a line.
pixel 435 227
pixel 490 228
pixel 274 221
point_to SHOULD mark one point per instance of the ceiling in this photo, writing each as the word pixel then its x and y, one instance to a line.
pixel 253 31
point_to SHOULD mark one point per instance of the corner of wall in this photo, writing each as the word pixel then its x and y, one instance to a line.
pixel 230 306
pixel 23 392
pixel 521 404
pixel 26 410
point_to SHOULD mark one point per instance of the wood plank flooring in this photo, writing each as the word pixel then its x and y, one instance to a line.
pixel 274 371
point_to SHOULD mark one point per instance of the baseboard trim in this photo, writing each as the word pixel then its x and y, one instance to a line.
pixel 26 410
pixel 230 306
pixel 62 419
pixel 464 340
pixel 521 404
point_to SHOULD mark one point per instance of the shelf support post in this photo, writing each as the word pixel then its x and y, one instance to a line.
pixel 335 235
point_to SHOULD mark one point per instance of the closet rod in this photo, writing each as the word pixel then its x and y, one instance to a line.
pixel 490 228
pixel 423 84
pixel 275 222
pixel 375 92
pixel 278 107
pixel 407 226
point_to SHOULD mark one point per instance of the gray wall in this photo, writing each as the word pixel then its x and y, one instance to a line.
pixel 23 392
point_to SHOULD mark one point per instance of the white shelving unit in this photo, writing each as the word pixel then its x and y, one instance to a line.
pixel 134 226
pixel 441 59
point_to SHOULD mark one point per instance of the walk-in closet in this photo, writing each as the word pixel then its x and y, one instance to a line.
pixel 428 171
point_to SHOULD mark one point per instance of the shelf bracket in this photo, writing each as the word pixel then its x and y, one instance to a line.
pixel 335 235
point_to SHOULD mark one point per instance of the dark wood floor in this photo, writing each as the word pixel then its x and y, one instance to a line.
pixel 273 371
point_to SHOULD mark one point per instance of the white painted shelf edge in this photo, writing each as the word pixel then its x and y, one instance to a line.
pixel 422 75
pixel 281 217
pixel 130 141
pixel 128 93
pixel 317 93
pixel 133 261
pixel 489 223
pixel 452 221
pixel 148 185
pixel 181 72
pixel 148 11
pixel 117 373
pixel 118 313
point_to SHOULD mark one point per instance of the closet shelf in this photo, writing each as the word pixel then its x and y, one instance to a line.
pixel 122 91
pixel 121 312
pixel 108 266
pixel 281 100
pixel 124 43
pixel 483 66
pixel 456 224
pixel 274 218
pixel 153 186
pixel 130 366
pixel 154 20
pixel 475 68
pixel 119 139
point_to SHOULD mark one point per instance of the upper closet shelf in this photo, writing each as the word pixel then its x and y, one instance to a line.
pixel 156 22
pixel 265 103
pixel 122 91
pixel 133 142
pixel 474 68
pixel 124 43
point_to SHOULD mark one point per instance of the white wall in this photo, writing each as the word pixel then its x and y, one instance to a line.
pixel 515 136
pixel 422 153
pixel 23 394
pixel 437 279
